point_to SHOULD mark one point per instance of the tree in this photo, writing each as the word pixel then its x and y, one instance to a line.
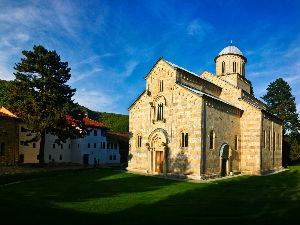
pixel 294 153
pixel 40 96
pixel 281 103
pixel 4 88
pixel 251 88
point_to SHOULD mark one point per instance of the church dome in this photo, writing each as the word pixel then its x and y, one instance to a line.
pixel 231 50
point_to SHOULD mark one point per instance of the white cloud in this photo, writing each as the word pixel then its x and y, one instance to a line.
pixel 93 59
pixel 95 99
pixel 129 68
pixel 5 73
pixel 26 23
pixel 78 76
pixel 198 28
pixel 22 37
pixel 292 79
pixel 67 15
pixel 24 15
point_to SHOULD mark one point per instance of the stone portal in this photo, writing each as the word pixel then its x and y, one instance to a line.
pixel 157 154
pixel 224 159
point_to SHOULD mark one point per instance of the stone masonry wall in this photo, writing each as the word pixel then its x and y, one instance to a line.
pixel 9 140
pixel 226 126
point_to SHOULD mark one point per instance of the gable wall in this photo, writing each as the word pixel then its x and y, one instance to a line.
pixel 186 117
pixel 182 113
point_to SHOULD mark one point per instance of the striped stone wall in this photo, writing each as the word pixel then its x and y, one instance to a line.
pixel 9 141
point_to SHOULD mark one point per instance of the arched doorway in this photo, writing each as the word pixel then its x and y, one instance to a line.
pixel 158 140
pixel 224 158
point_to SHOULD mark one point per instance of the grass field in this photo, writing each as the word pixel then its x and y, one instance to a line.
pixel 104 196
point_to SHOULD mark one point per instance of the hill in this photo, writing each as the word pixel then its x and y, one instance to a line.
pixel 116 122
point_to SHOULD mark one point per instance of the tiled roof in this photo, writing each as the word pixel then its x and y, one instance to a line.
pixel 88 122
pixel 92 123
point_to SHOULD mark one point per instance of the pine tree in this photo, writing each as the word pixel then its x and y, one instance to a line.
pixel 281 103
pixel 4 88
pixel 294 153
pixel 40 96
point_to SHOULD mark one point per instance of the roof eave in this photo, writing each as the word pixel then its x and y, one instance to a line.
pixel 243 57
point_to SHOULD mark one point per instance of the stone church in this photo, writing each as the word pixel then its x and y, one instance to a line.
pixel 204 125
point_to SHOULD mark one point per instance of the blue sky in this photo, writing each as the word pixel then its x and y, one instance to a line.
pixel 112 45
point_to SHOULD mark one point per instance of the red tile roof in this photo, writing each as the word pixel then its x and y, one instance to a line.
pixel 92 123
pixel 88 122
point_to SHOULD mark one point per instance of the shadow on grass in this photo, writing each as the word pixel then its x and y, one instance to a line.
pixel 109 197
pixel 245 200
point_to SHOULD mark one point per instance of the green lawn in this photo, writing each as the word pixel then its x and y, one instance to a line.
pixel 104 196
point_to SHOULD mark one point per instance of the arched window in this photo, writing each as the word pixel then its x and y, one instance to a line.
pixel 278 141
pixel 223 67
pixel 236 139
pixel 184 139
pixel 160 111
pixel 161 85
pixel 211 139
pixel 139 141
pixel 2 149
pixel 270 140
pixel 243 69
pixel 274 141
pixel 234 67
pixel 264 139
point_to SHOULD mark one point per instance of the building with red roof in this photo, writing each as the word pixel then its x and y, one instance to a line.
pixel 19 144
pixel 95 148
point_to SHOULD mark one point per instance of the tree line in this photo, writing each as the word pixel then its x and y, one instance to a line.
pixel 40 96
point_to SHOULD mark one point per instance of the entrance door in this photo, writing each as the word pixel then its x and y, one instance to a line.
pixel 223 167
pixel 159 164
pixel 157 151
pixel 86 159
pixel 21 159
pixel 224 156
